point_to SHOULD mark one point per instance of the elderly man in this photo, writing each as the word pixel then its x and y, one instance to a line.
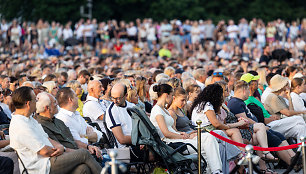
pixel 82 132
pixel 200 76
pixel 46 108
pixel 119 121
pixel 92 107
pixel 39 153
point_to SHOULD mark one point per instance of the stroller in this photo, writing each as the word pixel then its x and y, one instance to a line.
pixel 173 160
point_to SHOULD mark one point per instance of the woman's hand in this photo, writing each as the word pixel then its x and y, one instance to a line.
pixel 185 135
pixel 244 123
pixel 192 135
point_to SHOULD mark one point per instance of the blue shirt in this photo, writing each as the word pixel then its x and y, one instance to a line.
pixel 237 106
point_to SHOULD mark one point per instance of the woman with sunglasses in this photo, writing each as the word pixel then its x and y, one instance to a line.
pixel 164 123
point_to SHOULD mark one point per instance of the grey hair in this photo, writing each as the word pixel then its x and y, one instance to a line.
pixel 42 100
pixel 189 81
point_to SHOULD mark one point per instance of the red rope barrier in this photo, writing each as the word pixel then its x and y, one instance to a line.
pixel 255 147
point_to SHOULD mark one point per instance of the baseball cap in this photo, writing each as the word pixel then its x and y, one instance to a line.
pixel 248 77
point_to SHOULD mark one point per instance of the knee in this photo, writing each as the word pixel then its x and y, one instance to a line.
pixel 83 152
pixel 83 169
pixel 260 126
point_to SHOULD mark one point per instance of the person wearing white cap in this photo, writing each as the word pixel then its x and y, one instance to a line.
pixel 291 125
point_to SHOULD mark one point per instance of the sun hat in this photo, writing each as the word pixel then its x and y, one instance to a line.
pixel 277 82
pixel 248 77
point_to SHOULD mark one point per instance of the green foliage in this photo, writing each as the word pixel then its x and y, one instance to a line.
pixel 58 10
pixel 64 10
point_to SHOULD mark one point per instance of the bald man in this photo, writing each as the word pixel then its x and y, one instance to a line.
pixel 119 121
pixel 93 108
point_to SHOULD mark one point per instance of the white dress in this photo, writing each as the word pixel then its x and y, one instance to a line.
pixel 209 148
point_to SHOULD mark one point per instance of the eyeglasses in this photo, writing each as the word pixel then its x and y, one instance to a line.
pixel 117 98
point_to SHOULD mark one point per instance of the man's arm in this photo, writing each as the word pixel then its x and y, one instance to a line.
pixel 59 149
pixel 243 115
pixel 123 139
pixel 92 149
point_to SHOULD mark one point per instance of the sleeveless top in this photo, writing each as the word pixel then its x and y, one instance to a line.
pixel 183 123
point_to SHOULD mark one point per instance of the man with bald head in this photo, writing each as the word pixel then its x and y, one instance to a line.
pixel 92 107
pixel 119 121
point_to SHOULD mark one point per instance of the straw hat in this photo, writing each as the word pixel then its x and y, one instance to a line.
pixel 277 82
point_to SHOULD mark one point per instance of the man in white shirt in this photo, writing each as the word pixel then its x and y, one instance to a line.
pixel 88 32
pixel 117 118
pixel 119 121
pixel 39 153
pixel 80 130
pixel 92 107
pixel 232 30
pixel 132 31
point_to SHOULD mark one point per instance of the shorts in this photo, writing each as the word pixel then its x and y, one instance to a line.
pixel 274 138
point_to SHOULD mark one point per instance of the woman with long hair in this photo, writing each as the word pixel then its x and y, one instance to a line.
pixel 182 123
pixel 164 123
pixel 207 108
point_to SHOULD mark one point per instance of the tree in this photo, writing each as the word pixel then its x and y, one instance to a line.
pixel 32 10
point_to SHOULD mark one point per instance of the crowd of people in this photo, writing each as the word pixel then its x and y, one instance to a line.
pixel 245 82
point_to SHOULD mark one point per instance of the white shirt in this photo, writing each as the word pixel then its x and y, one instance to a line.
pixel 202 86
pixel 232 31
pixel 94 109
pixel 297 102
pixel 265 94
pixel 79 32
pixel 67 33
pixel 157 110
pixel 89 30
pixel 6 110
pixel 225 55
pixel 118 116
pixel 244 30
pixel 131 31
pixel 27 137
pixel 201 115
pixel 303 95
pixel 76 124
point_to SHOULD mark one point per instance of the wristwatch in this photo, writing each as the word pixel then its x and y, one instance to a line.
pixel 64 149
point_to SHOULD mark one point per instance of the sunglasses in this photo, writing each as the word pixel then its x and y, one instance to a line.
pixel 217 74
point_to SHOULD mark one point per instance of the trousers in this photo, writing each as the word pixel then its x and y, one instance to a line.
pixel 293 126
pixel 77 162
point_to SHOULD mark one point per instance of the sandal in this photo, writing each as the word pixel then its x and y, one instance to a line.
pixel 268 171
pixel 266 158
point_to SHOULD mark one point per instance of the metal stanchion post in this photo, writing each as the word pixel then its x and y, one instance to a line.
pixel 249 148
pixel 199 122
pixel 303 139
pixel 113 156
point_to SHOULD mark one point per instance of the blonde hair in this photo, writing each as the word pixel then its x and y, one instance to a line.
pixel 73 84
pixel 262 76
pixel 131 92
pixel 169 71
pixel 49 85
pixel 174 83
pixel 140 86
